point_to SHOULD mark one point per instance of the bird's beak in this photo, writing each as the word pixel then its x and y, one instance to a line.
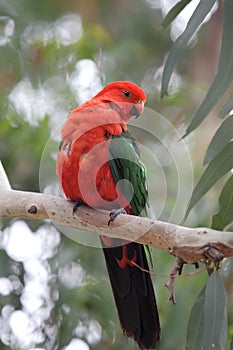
pixel 137 110
pixel 134 112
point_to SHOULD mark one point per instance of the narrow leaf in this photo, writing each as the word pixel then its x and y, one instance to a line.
pixel 222 136
pixel 214 309
pixel 227 107
pixel 194 336
pixel 224 75
pixel 225 215
pixel 218 167
pixel 175 10
pixel 178 47
pixel 223 332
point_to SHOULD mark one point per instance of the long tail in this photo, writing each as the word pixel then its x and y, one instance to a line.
pixel 134 294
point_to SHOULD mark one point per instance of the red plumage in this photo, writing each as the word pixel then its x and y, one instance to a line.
pixel 85 174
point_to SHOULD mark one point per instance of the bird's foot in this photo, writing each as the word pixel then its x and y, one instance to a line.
pixel 114 213
pixel 77 204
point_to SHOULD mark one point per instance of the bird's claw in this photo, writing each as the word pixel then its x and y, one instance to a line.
pixel 114 213
pixel 77 204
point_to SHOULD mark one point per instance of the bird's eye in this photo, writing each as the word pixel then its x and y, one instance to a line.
pixel 127 94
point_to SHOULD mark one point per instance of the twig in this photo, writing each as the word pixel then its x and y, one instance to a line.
pixel 176 270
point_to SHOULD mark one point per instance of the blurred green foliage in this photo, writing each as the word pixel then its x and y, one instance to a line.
pixel 125 40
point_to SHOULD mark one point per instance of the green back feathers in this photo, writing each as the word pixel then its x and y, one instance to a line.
pixel 128 168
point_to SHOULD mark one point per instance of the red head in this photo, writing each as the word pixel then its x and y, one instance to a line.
pixel 126 97
pixel 123 97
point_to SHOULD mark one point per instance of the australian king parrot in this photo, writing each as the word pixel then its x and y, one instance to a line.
pixel 99 165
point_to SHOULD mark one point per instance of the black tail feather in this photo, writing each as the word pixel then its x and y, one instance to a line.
pixel 134 295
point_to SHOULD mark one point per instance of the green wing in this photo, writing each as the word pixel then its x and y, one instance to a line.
pixel 126 164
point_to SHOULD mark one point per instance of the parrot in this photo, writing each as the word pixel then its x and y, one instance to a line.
pixel 99 165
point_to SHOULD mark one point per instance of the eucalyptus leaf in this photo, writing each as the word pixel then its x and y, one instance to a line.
pixel 225 215
pixel 224 76
pixel 227 107
pixel 178 47
pixel 218 167
pixel 173 13
pixel 222 136
pixel 223 333
pixel 194 337
pixel 214 312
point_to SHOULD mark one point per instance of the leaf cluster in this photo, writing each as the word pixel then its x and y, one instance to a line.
pixel 218 158
pixel 207 328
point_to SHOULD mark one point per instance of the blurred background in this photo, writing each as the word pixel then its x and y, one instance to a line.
pixel 54 55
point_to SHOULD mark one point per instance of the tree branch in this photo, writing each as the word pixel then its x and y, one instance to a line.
pixel 190 244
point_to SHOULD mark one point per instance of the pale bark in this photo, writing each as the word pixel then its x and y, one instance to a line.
pixel 190 244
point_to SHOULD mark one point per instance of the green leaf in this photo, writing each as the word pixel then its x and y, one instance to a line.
pixel 223 333
pixel 194 337
pixel 218 167
pixel 179 6
pixel 225 215
pixel 224 75
pixel 208 314
pixel 227 107
pixel 178 47
pixel 214 312
pixel 222 136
